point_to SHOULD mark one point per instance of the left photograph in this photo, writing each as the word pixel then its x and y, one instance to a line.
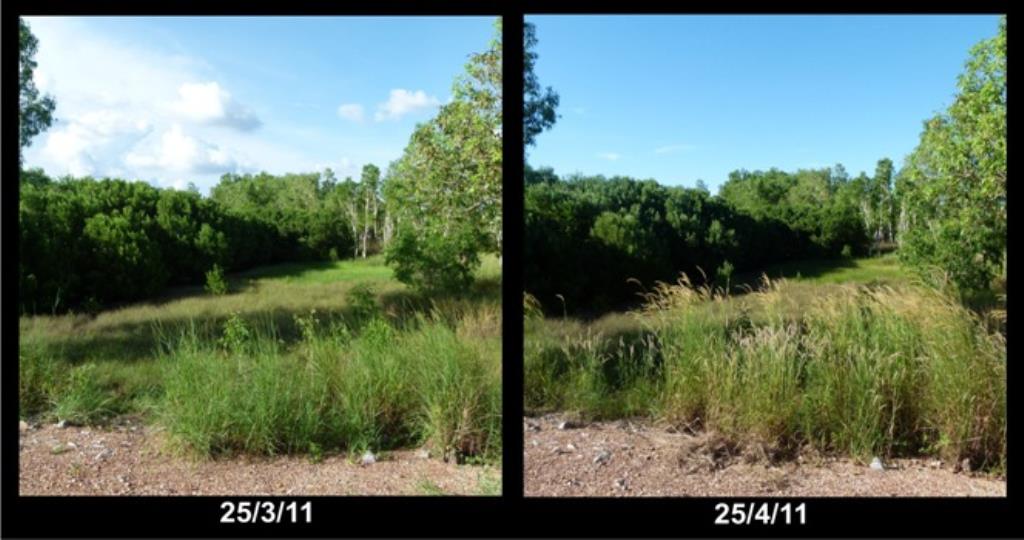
pixel 260 255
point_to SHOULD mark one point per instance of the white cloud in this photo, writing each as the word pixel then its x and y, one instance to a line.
pixel 610 156
pixel 351 111
pixel 138 109
pixel 182 153
pixel 342 168
pixel 673 148
pixel 402 102
pixel 210 104
pixel 82 142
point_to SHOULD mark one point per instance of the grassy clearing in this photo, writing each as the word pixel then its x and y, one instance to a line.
pixel 855 369
pixel 315 358
pixel 882 270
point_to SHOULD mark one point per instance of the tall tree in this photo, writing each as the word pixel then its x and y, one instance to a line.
pixel 882 197
pixel 538 104
pixel 369 184
pixel 35 113
pixel 445 191
pixel 954 182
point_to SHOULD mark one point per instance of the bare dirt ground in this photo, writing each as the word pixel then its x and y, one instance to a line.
pixel 132 459
pixel 626 458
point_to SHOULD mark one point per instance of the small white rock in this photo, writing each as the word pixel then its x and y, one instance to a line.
pixel 602 457
pixel 62 424
pixel 23 426
pixel 369 458
pixel 570 447
pixel 620 483
pixel 72 445
pixel 876 464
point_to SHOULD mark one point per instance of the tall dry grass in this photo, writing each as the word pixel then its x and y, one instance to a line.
pixel 880 370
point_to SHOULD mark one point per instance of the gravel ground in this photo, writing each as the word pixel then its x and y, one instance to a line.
pixel 626 458
pixel 130 459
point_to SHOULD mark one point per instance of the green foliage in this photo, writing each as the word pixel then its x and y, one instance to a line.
pixel 107 241
pixel 953 186
pixel 445 191
pixel 435 263
pixel 215 282
pixel 35 113
pixel 724 274
pixel 127 261
pixel 624 230
pixel 538 104
pixel 362 300
pixel 237 336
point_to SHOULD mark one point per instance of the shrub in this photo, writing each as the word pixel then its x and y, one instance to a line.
pixel 236 336
pixel 215 282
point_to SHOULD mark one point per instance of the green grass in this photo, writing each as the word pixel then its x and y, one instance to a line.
pixel 296 358
pixel 369 269
pixel 858 368
pixel 882 270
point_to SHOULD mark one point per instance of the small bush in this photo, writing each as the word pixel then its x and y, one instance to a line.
pixel 216 284
pixel 236 336
pixel 724 274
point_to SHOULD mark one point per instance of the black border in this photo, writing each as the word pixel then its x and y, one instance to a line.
pixel 510 515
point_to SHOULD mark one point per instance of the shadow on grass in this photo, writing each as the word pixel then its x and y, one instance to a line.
pixel 807 269
pixel 139 340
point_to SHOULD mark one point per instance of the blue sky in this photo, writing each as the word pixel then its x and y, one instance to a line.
pixel 173 100
pixel 682 98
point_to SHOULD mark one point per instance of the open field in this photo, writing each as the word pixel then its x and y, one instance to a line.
pixel 854 361
pixel 316 359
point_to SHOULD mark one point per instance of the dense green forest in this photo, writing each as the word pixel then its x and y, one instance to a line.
pixel 87 243
pixel 642 230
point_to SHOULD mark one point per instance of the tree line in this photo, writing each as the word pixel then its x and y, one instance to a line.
pixel 88 243
pixel 619 229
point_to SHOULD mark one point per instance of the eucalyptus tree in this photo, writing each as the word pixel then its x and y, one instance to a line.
pixel 954 182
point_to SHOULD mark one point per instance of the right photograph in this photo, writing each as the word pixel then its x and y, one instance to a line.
pixel 765 256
